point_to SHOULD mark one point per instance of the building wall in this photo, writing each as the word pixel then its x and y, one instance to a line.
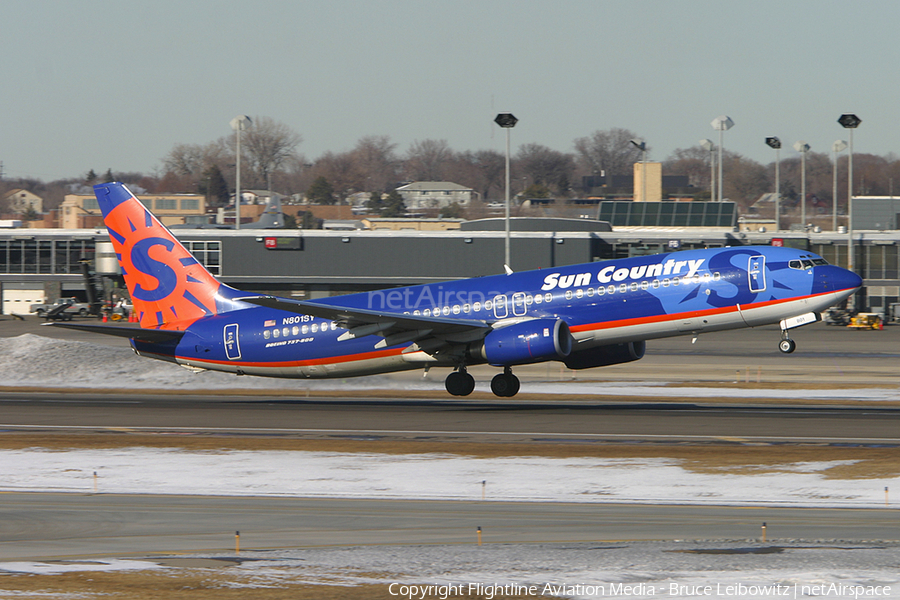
pixel 653 171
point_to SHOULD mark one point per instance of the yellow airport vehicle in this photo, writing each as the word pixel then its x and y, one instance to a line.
pixel 866 321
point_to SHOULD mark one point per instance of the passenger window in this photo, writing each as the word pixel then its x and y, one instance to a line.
pixel 267 334
pixel 476 307
pixel 634 287
pixel 601 291
pixel 655 284
pixel 579 293
pixel 611 289
pixel 426 312
pixel 676 281
pixel 623 288
pixel 538 299
pixel 548 297
pixel 666 282
pixel 568 294
pixel 456 309
pixel 644 285
pixel 305 329
pixel 295 330
pixel 488 305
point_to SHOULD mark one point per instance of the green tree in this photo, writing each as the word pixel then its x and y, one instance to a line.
pixel 393 205
pixel 90 177
pixel 213 186
pixel 320 192
pixel 375 204
pixel 536 190
pixel 108 177
pixel 454 211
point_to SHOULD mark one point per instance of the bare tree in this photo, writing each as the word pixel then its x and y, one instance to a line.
pixel 547 167
pixel 427 160
pixel 375 164
pixel 482 170
pixel 268 144
pixel 608 152
pixel 693 162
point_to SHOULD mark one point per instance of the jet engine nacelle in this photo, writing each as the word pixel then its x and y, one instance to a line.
pixel 528 342
pixel 603 356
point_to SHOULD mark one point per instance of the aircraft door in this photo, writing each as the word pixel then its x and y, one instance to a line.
pixel 501 310
pixel 518 304
pixel 232 345
pixel 756 270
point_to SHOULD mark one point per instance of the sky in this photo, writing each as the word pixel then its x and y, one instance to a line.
pixel 116 84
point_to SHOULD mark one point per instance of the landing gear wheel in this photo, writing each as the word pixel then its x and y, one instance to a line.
pixel 787 345
pixel 505 385
pixel 459 383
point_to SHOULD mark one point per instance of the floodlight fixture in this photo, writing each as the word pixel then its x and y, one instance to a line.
pixel 238 124
pixel 838 146
pixel 802 148
pixel 722 123
pixel 849 121
pixel 775 143
pixel 507 121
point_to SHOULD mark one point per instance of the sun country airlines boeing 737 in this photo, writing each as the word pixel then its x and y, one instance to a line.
pixel 585 316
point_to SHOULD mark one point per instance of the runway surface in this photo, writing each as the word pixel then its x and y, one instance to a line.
pixel 443 420
pixel 63 525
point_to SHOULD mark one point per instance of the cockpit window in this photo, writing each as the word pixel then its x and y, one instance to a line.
pixel 806 263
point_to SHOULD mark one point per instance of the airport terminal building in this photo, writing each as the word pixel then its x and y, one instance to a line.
pixel 43 264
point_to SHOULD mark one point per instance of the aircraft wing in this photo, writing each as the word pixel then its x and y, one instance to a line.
pixel 396 328
pixel 136 333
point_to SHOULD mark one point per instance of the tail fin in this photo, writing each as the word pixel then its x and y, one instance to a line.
pixel 168 287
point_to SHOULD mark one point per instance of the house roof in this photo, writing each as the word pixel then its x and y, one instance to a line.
pixel 433 186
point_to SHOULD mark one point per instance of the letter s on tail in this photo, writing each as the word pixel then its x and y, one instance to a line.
pixel 169 288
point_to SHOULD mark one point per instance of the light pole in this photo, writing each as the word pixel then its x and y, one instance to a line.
pixel 721 124
pixel 239 124
pixel 774 142
pixel 838 146
pixel 710 147
pixel 851 122
pixel 802 148
pixel 642 146
pixel 507 121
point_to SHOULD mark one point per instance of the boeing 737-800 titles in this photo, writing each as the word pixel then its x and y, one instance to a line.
pixel 585 316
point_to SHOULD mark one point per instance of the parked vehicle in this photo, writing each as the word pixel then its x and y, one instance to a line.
pixel 61 308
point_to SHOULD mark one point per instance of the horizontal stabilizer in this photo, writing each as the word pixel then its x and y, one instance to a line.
pixel 135 333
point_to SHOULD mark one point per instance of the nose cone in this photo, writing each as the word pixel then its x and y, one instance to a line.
pixel 836 279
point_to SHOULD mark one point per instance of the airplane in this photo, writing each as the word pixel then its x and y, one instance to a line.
pixel 585 316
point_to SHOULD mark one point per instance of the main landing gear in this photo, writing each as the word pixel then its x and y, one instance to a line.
pixel 461 383
pixel 505 384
